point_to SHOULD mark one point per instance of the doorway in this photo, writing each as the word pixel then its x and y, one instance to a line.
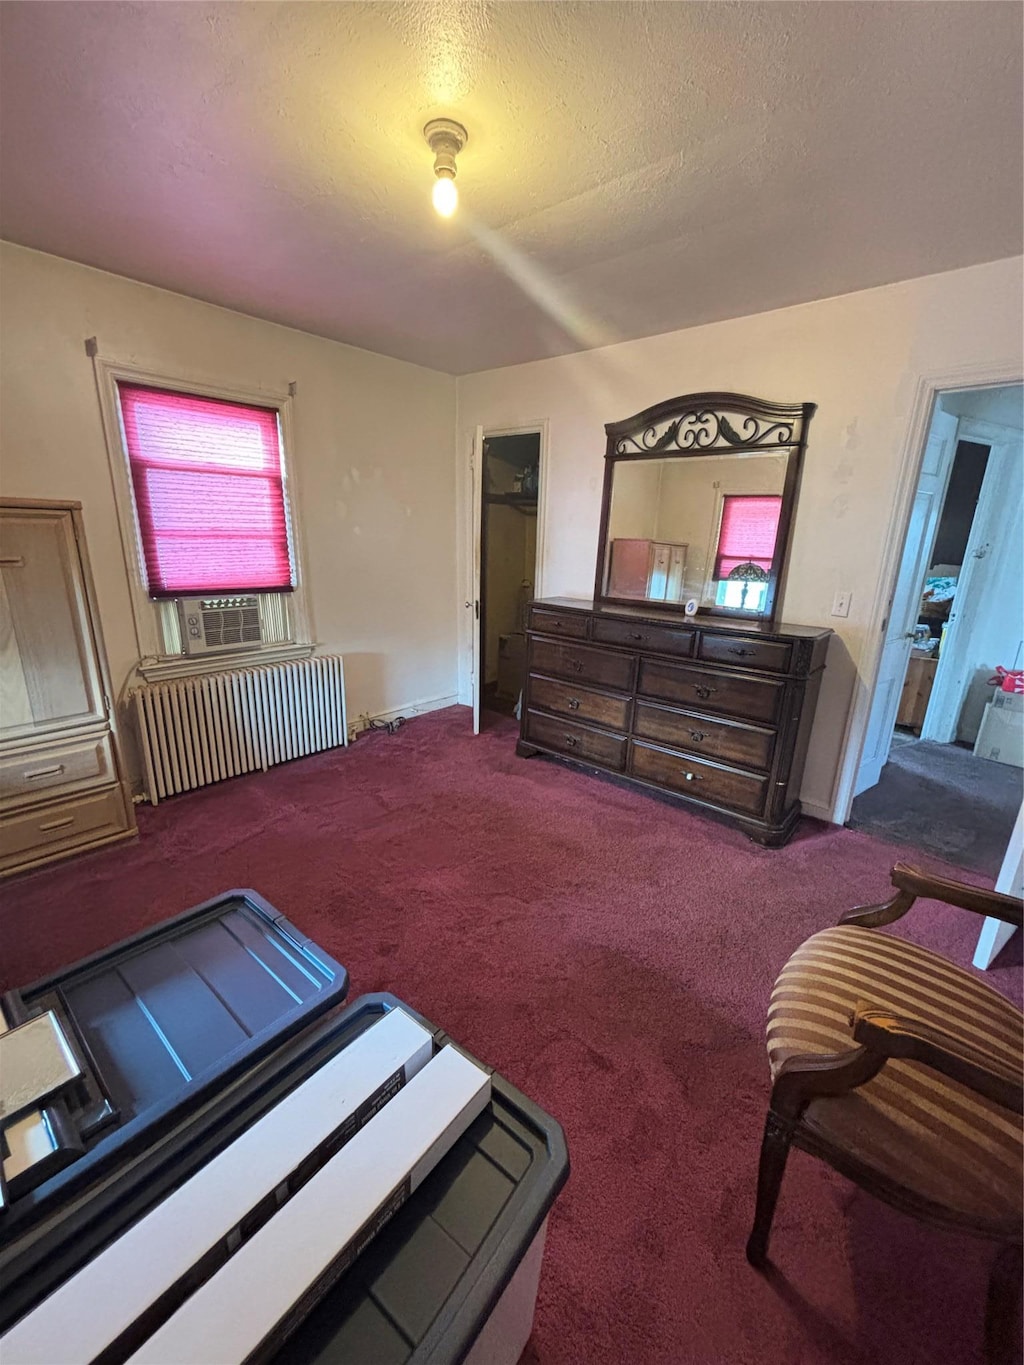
pixel 509 502
pixel 943 762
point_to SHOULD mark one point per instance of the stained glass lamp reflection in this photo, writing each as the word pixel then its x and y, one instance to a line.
pixel 747 573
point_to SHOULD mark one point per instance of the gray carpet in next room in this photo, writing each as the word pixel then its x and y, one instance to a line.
pixel 940 799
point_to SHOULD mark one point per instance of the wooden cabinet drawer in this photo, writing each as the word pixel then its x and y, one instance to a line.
pixel 640 635
pixel 748 745
pixel 559 623
pixel 745 653
pixel 578 741
pixel 582 663
pixel 579 703
pixel 703 781
pixel 55 768
pixel 704 689
pixel 47 830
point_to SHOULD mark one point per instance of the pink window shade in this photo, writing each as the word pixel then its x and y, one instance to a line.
pixel 209 489
pixel 749 528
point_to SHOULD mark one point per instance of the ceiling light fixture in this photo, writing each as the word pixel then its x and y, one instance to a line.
pixel 446 139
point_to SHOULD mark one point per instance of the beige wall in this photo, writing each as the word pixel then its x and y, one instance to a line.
pixel 859 357
pixel 372 460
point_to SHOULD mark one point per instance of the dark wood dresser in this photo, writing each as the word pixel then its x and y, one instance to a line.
pixel 716 712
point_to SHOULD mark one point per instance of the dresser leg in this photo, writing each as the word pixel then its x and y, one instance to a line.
pixel 525 750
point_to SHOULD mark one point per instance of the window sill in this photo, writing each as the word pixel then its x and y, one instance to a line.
pixel 185 666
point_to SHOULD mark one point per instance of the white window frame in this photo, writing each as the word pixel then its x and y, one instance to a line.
pixel 154 662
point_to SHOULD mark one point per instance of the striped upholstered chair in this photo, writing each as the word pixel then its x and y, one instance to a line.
pixel 904 1072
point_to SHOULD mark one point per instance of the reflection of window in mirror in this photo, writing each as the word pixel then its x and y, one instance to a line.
pixel 746 547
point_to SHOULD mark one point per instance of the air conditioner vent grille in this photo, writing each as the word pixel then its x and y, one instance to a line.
pixel 212 623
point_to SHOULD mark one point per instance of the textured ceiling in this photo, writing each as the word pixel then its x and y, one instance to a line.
pixel 631 169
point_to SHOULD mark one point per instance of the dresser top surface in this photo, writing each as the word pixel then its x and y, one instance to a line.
pixel 762 629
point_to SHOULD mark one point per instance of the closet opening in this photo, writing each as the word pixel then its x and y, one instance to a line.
pixel 508 560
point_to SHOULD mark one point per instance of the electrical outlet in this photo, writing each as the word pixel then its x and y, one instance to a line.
pixel 841 603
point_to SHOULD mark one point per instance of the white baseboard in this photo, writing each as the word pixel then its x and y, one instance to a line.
pixel 412 708
pixel 817 811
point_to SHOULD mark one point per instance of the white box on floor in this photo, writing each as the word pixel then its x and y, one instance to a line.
pixel 1001 733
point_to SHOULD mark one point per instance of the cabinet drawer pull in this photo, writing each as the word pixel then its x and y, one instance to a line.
pixel 571 741
pixel 58 824
pixel 698 736
pixel 693 777
pixel 635 635
pixel 43 772
pixel 576 665
pixel 574 703
pixel 703 691
pixel 739 649
pixel 12 561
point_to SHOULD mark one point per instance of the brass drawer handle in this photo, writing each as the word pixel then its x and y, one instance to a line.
pixel 703 691
pixel 738 649
pixel 574 703
pixel 571 741
pixel 698 736
pixel 57 824
pixel 43 772
pixel 693 777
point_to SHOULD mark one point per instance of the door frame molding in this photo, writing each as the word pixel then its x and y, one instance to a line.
pixel 928 386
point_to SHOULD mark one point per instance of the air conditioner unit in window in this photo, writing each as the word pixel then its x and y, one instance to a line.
pixel 211 624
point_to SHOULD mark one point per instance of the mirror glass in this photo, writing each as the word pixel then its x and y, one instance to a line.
pixel 703 528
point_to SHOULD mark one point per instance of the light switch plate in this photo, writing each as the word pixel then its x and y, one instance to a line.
pixel 841 603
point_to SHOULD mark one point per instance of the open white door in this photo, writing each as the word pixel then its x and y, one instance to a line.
pixel 905 605
pixel 995 528
pixel 476 505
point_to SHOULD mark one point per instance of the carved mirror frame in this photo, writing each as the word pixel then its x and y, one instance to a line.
pixel 709 424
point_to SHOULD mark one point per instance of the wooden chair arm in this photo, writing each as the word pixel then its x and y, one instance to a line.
pixel 910 883
pixel 891 1035
pixel 817 1075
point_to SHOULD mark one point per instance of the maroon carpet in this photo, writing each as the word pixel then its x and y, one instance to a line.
pixel 612 956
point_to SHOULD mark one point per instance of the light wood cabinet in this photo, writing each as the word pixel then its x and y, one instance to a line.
pixel 62 784
pixel 917 689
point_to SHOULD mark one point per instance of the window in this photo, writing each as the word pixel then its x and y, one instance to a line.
pixel 208 482
pixel 205 509
pixel 746 548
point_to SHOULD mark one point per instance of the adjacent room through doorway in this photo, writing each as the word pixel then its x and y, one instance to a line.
pixel 943 762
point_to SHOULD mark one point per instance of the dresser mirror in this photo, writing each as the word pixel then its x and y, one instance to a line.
pixel 699 495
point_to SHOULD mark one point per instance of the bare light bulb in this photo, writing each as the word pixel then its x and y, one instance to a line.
pixel 445 196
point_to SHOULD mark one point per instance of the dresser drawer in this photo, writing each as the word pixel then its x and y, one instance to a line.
pixel 55 768
pixel 682 773
pixel 579 703
pixel 749 745
pixel 741 653
pixel 582 663
pixel 558 623
pixel 47 830
pixel 704 689
pixel 639 635
pixel 577 741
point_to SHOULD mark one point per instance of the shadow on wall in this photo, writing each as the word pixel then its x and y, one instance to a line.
pixel 977 695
